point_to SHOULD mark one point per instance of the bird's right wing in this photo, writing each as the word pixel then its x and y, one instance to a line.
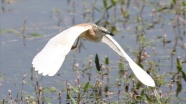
pixel 49 60
pixel 138 71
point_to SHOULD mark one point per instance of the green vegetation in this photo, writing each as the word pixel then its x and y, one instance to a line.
pixel 159 31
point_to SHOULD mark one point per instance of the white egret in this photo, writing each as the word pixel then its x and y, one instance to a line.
pixel 49 60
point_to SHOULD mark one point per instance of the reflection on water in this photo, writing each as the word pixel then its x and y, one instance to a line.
pixel 152 33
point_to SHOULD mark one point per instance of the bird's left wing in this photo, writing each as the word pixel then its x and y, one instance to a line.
pixel 49 60
pixel 138 71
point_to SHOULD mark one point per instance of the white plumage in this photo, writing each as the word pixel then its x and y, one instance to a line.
pixel 49 60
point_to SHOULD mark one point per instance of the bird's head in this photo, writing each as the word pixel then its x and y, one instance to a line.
pixel 103 30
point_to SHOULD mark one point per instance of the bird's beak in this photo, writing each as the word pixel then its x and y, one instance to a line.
pixel 109 33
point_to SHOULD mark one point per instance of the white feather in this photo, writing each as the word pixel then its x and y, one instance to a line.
pixel 49 60
pixel 138 71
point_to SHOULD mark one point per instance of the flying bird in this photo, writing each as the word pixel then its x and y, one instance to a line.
pixel 49 60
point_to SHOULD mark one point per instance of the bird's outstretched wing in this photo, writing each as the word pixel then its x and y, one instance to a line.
pixel 138 71
pixel 49 60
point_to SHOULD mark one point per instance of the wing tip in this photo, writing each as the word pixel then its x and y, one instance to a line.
pixel 150 83
pixel 43 73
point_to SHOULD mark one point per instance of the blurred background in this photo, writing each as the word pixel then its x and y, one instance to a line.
pixel 153 33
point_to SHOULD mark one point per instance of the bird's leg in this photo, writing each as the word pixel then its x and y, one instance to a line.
pixel 74 46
